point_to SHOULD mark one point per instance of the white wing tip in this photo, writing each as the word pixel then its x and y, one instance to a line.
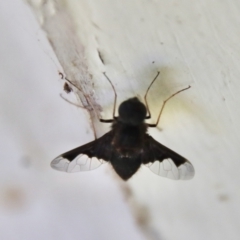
pixel 186 171
pixel 60 164
pixel 168 169
pixel 79 164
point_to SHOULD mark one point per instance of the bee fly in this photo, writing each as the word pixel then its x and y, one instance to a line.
pixel 127 145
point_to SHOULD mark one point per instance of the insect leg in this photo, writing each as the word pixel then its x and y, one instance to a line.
pixel 115 102
pixel 71 102
pixel 164 102
pixel 86 97
pixel 101 120
pixel 94 131
pixel 106 120
pixel 76 88
pixel 145 97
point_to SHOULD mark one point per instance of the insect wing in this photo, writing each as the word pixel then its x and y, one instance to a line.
pixel 79 164
pixel 165 162
pixel 87 157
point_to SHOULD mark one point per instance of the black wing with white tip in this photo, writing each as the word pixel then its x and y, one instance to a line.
pixel 87 157
pixel 165 162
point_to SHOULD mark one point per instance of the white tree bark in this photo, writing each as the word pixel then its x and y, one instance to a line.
pixel 191 43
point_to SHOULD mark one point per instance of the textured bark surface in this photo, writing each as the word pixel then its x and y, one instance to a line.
pixel 190 43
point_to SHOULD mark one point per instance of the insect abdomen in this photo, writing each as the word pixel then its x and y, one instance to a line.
pixel 127 144
pixel 125 167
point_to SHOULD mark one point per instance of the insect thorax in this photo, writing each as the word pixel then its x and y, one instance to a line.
pixel 128 139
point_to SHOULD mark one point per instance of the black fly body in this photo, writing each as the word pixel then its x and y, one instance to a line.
pixel 128 145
